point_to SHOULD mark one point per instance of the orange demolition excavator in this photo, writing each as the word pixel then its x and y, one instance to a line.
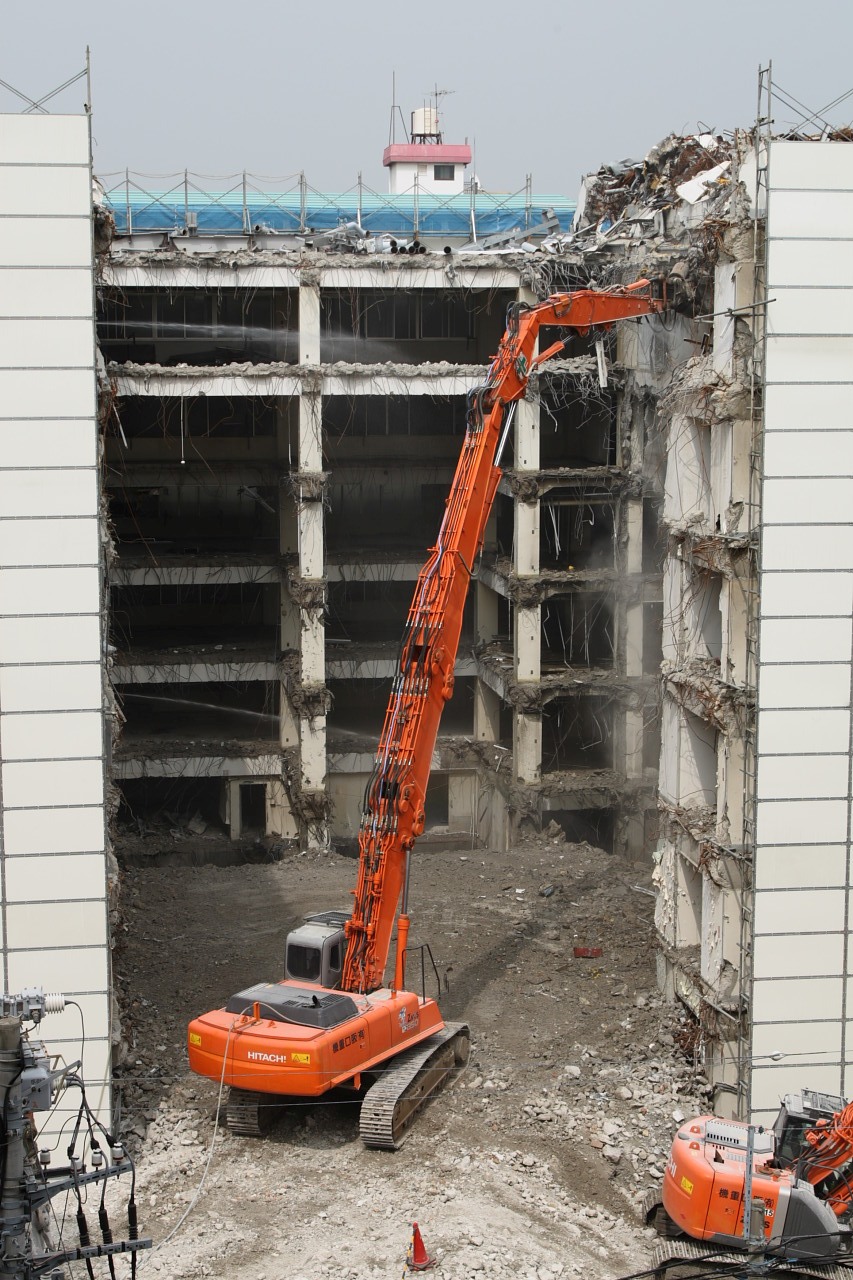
pixel 783 1195
pixel 331 1023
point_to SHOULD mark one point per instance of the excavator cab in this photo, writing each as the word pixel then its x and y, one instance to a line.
pixel 798 1113
pixel 315 951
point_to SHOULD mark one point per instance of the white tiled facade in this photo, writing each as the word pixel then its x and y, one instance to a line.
pixel 801 961
pixel 53 870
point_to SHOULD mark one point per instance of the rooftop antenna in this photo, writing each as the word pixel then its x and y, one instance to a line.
pixel 395 111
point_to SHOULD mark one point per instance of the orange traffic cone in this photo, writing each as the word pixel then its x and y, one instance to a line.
pixel 417 1258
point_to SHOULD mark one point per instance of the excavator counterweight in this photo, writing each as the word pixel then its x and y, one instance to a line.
pixel 332 1023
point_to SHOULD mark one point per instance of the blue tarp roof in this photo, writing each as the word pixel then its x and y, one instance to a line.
pixel 227 213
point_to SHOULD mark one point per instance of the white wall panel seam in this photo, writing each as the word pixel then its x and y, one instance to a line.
pixel 62 946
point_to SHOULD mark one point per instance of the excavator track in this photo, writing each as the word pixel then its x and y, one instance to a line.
pixel 407 1084
pixel 654 1215
pixel 686 1258
pixel 249 1114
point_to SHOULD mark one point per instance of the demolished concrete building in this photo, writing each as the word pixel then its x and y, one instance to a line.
pixel 281 397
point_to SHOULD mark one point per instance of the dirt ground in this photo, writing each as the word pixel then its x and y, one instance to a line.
pixel 529 1165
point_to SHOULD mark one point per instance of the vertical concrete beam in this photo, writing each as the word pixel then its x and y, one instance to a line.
pixel 311 548
pixel 309 320
pixel 486 607
pixel 527 747
pixel 487 713
pixel 313 754
pixel 528 644
pixel 527 638
pixel 235 828
pixel 461 801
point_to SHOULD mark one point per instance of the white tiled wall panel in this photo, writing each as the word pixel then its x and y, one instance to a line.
pixel 27 640
pixel 822 639
pixel 49 242
pixel 808 501
pixel 806 407
pixel 30 189
pixel 803 732
pixel 58 876
pixel 32 343
pixel 71 541
pixel 65 291
pixel 45 140
pixel 806 453
pixel 64 443
pixel 67 924
pixel 806 595
pixel 806 685
pixel 806 311
pixel 781 777
pixel 802 856
pixel 67 782
pixel 788 1037
pixel 784 1000
pixel 46 592
pixel 823 166
pixel 53 908
pixel 25 492
pixel 802 911
pixel 61 969
pixel 819 357
pixel 800 821
pixel 821 955
pixel 51 735
pixel 818 264
pixel 802 866
pixel 76 686
pixel 807 547
pixel 811 215
pixel 57 393
pixel 54 831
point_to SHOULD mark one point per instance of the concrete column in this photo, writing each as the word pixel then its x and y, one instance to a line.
pixel 311 549
pixel 487 713
pixel 527 539
pixel 461 799
pixel 314 753
pixel 528 643
pixel 632 645
pixel 527 746
pixel 309 320
pixel 312 642
pixel 526 427
pixel 486 604
pixel 633 517
pixel 634 734
pixel 234 823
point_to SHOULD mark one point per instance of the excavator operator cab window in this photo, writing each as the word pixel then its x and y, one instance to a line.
pixel 303 962
pixel 335 957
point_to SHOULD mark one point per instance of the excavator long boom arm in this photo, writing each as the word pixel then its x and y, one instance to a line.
pixel 393 815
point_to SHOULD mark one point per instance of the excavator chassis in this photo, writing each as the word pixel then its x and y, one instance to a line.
pixel 407 1084
pixel 677 1257
pixel 390 1105
pixel 687 1260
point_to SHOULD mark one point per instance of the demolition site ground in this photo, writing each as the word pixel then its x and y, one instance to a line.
pixel 531 1164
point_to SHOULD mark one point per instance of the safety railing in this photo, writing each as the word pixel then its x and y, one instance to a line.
pixel 238 204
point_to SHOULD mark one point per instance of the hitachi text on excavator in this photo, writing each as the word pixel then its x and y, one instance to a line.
pixel 331 1023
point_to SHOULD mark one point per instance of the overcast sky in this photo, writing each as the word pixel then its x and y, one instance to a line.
pixel 548 87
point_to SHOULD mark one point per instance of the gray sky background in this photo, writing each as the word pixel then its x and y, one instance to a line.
pixel 552 88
